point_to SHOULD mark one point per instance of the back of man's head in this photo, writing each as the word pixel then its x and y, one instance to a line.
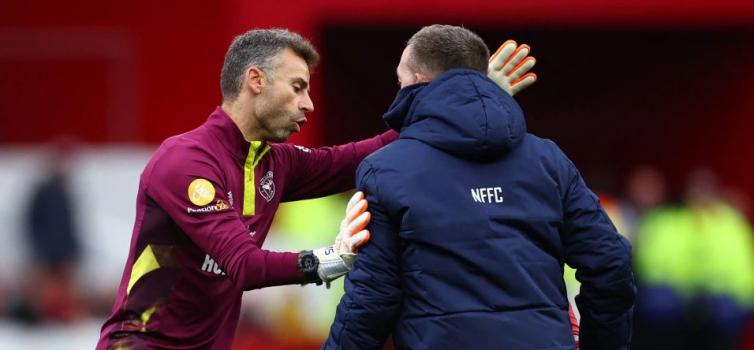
pixel 258 48
pixel 437 48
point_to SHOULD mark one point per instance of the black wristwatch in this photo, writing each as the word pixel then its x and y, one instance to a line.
pixel 307 266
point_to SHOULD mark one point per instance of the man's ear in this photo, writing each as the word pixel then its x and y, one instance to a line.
pixel 255 80
pixel 421 78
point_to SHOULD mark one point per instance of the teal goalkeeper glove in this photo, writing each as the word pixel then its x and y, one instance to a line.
pixel 509 66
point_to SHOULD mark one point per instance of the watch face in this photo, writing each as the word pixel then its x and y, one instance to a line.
pixel 308 262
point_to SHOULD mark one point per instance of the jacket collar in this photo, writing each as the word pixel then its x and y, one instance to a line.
pixel 226 131
pixel 398 113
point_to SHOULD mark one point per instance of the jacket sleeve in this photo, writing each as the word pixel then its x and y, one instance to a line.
pixel 602 259
pixel 317 172
pixel 369 308
pixel 214 226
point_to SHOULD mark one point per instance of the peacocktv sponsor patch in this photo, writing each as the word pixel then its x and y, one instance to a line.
pixel 219 205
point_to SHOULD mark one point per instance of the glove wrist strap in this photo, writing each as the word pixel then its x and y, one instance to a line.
pixel 331 264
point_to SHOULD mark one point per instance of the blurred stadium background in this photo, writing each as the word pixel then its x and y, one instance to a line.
pixel 652 99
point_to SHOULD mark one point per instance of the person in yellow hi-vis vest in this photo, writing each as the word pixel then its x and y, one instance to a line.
pixel 696 266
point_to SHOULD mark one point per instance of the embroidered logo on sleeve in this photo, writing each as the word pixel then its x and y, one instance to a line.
pixel 267 186
pixel 201 192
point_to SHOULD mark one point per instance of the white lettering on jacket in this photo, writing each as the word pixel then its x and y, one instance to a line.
pixel 211 266
pixel 487 194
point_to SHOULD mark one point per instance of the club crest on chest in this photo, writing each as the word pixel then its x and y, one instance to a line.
pixel 267 186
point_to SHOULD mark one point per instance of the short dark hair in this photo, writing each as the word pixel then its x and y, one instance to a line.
pixel 438 47
pixel 258 48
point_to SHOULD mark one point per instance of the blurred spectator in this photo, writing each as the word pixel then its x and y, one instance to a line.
pixel 645 192
pixel 695 266
pixel 49 292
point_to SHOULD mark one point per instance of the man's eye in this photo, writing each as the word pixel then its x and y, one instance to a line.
pixel 297 88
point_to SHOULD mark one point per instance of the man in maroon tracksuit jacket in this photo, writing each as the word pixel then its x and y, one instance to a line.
pixel 207 198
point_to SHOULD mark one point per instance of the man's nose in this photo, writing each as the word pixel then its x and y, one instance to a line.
pixel 306 104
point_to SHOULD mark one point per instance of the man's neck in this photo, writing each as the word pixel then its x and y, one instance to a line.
pixel 244 118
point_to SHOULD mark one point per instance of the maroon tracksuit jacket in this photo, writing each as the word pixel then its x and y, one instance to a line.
pixel 205 203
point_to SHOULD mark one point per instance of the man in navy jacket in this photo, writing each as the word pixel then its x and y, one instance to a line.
pixel 472 221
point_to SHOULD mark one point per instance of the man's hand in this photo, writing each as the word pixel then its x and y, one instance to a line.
pixel 509 67
pixel 337 259
pixel 352 229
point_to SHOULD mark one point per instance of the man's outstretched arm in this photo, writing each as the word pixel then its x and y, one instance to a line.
pixel 318 172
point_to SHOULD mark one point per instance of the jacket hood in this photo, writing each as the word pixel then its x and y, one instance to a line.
pixel 461 112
